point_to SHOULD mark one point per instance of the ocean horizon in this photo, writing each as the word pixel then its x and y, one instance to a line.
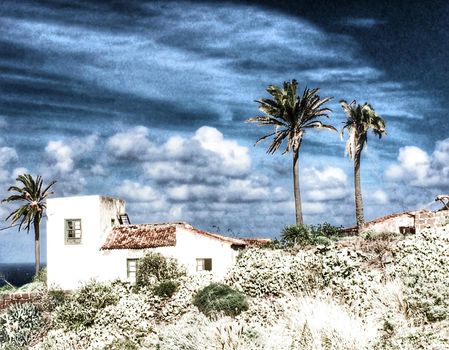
pixel 17 274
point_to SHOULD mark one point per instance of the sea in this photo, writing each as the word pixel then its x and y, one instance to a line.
pixel 17 274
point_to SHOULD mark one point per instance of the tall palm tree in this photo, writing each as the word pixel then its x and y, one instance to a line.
pixel 291 115
pixel 31 211
pixel 360 119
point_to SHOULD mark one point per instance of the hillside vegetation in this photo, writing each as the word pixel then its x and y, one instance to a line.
pixel 372 292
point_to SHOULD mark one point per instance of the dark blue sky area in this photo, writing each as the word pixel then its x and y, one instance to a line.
pixel 147 101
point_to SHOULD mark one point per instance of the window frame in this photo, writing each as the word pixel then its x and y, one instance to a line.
pixel 128 270
pixel 202 264
pixel 72 240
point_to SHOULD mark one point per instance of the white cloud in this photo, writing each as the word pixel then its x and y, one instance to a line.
pixel 235 158
pixel 380 197
pixel 325 184
pixel 60 155
pixel 135 192
pixel 63 158
pixel 131 144
pixel 419 169
pixel 7 155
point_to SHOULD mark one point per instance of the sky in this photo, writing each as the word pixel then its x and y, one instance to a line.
pixel 147 101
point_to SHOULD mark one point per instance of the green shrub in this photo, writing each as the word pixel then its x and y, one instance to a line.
pixel 6 289
pixel 80 309
pixel 41 276
pixel 20 325
pixel 52 299
pixel 302 235
pixel 154 267
pixel 218 298
pixel 165 289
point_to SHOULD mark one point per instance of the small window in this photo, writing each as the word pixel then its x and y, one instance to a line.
pixel 131 269
pixel 112 222
pixel 73 231
pixel 405 230
pixel 204 264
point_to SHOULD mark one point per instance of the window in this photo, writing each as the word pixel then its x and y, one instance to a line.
pixel 73 231
pixel 204 264
pixel 406 230
pixel 131 269
pixel 112 222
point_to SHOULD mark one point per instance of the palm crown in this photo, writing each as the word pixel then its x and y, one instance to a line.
pixel 360 118
pixel 33 197
pixel 291 115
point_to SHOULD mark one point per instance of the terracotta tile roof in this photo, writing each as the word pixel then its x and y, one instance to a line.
pixel 232 241
pixel 141 236
pixel 156 235
pixel 257 242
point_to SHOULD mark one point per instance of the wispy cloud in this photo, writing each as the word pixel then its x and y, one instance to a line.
pixel 362 22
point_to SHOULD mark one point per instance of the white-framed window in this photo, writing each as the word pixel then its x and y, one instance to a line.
pixel 73 231
pixel 204 264
pixel 131 269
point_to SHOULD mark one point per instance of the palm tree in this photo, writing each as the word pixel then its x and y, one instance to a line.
pixel 360 119
pixel 31 211
pixel 292 115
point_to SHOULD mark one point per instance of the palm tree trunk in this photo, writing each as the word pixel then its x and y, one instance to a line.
pixel 358 193
pixel 296 191
pixel 37 250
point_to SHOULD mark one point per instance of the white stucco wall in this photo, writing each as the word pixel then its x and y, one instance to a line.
pixel 189 247
pixel 68 265
pixel 392 224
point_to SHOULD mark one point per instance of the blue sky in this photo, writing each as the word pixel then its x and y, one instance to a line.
pixel 147 101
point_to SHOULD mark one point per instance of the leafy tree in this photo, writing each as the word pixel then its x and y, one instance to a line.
pixel 360 119
pixel 31 211
pixel 292 115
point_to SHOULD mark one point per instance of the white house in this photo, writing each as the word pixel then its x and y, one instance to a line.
pixel 88 238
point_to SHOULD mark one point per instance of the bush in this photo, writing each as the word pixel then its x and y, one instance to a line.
pixel 165 289
pixel 302 235
pixel 20 325
pixel 154 267
pixel 219 298
pixel 52 299
pixel 79 311
pixel 422 263
pixel 41 276
pixel 263 272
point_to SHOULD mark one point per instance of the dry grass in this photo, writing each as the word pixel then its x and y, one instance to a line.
pixel 379 247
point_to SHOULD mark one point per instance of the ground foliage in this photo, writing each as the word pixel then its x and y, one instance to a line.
pixel 319 297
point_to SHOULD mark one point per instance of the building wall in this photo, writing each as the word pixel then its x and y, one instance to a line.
pixel 68 265
pixel 189 247
pixel 431 220
pixel 393 224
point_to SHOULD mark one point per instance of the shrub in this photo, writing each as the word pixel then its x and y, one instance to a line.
pixel 41 276
pixel 79 311
pixel 423 266
pixel 220 298
pixel 263 272
pixel 154 267
pixel 53 298
pixel 20 325
pixel 302 235
pixel 296 234
pixel 165 289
